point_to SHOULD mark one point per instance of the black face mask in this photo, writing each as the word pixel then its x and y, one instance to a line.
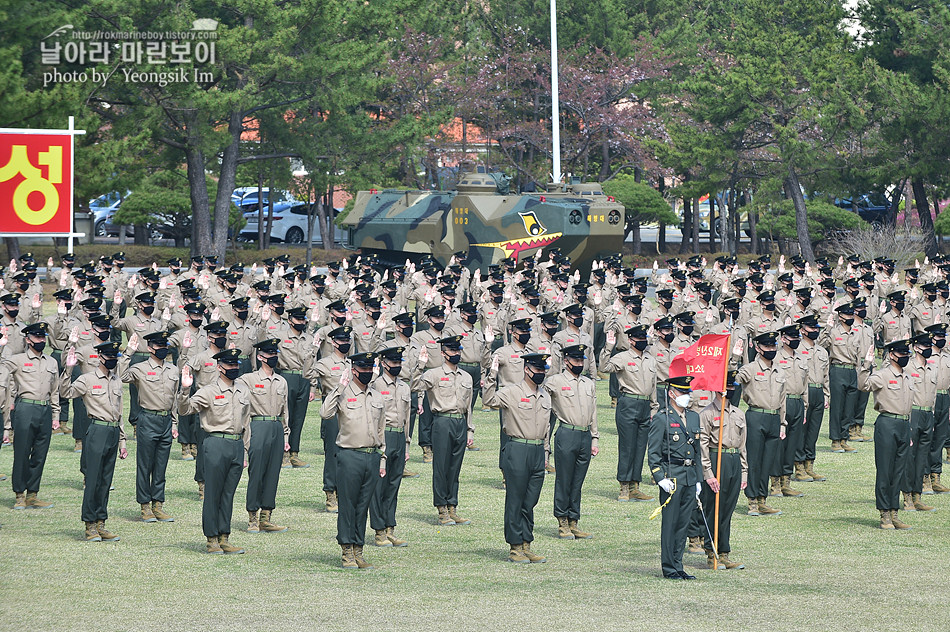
pixel 848 322
pixel 271 362
pixel 343 347
pixel 148 310
pixel 668 337
pixel 364 377
pixel 68 306
pixel 394 370
pixel 636 309
pixel 174 270
pixel 537 378
pixel 534 301
pixel 319 289
pixel 278 309
pixel 522 338
pixel 680 284
pixel 768 307
pixel 110 363
pixel 269 269
pixel 639 345
pixel 196 323
pixel 218 341
pixel 861 313
pixel 339 320
pixel 550 331
pixel 768 355
pixel 375 315
pixel 730 393
pixel 706 296
pixel 438 326
pixel 120 265
pixel 103 335
pixel 898 306
pixel 23 286
pixel 666 304
pixel 577 322
pixel 931 297
pixel 687 330
pixel 793 343
pixel 902 361
pixel 406 331
pixel 232 374
pixel 805 302
pixel 576 370
pixel 299 326
pixel 580 298
pixel 812 335
pixel 453 358
pixel 927 352
pixel 242 315
pixel 160 353
pixel 741 292
pixel 497 299
pixel 788 287
pixel 945 295
pixel 471 319
pixel 391 293
pixel 38 346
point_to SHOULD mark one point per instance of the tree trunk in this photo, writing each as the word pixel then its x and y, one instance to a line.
pixel 793 190
pixel 13 247
pixel 270 213
pixel 261 245
pixel 694 229
pixel 141 235
pixel 712 224
pixel 198 186
pixel 329 237
pixel 226 181
pixel 895 204
pixel 923 212
pixel 687 225
pixel 637 244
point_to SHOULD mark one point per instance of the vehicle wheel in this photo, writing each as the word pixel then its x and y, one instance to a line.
pixel 294 236
pixel 100 229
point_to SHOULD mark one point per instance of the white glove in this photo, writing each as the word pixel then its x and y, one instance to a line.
pixel 666 485
pixel 699 488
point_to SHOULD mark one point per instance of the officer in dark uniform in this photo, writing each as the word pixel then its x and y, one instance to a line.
pixel 674 459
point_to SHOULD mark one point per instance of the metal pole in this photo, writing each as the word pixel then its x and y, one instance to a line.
pixel 555 105
pixel 722 421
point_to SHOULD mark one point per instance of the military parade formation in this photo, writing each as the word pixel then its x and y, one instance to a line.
pixel 226 360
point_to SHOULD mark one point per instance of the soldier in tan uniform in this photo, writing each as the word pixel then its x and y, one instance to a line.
pixel 863 336
pixel 101 391
pixel 270 434
pixel 361 455
pixel 842 342
pixel 816 357
pixel 923 373
pixel 795 366
pixel 527 409
pixel 894 324
pixel 329 370
pixel 941 358
pixel 733 475
pixel 894 392
pixel 574 405
pixel 224 412
pixel 636 371
pixel 157 380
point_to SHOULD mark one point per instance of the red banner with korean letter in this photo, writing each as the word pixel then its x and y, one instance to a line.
pixel 35 182
pixel 706 360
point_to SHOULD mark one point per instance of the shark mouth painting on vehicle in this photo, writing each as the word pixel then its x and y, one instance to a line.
pixel 514 247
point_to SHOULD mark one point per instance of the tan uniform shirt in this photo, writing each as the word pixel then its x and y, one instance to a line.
pixel 329 370
pixel 893 389
pixel 297 353
pixel 636 370
pixel 796 372
pixel 567 338
pixel 268 396
pixel 527 411
pixel 361 415
pixel 733 436
pixel 664 357
pixel 893 325
pixel 842 344
pixel 763 386
pixel 510 364
pixel 102 395
pixel 397 399
pixel 221 408
pixel 942 362
pixel 158 383
pixel 449 392
pixel 32 376
pixel 574 401
pixel 817 359
pixel 924 376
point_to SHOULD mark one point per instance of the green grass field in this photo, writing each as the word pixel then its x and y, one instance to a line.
pixel 822 565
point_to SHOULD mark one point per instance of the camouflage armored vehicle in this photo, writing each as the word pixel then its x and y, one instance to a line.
pixel 483 217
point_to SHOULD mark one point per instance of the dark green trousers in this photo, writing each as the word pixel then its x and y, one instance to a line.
pixel 812 424
pixel 329 428
pixel 843 386
pixel 633 423
pixel 918 451
pixel 99 449
pixel 523 465
pixel 359 476
pixel 413 407
pixel 425 423
pixel 675 522
pixel 80 416
pixel 474 370
pixel 382 508
pixel 199 439
pixel 891 443
pixel 762 445
pixel 572 454
pixel 449 437
pixel 730 482
pixel 32 428
pixel 188 425
pixel 264 458
pixel 134 406
pixel 941 432
pixel 153 444
pixel 794 420
pixel 224 463
pixel 57 355
pixel 860 406
pixel 298 396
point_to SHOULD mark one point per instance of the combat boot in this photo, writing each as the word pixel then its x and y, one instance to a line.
pixel 947 458
pixel 201 490
pixel 214 547
pixel 636 494
pixel 65 428
pixel 266 525
pixel 57 431
pixel 533 557
pixel 227 547
pixel 624 495
pixel 810 470
pixel 473 448
pixel 444 518
pixel 285 464
pixel 426 454
pixel 854 434
pixel 613 402
pixel 381 538
pixel 787 489
pixel 801 476
pixel 332 504
pixel 886 522
pixel 836 447
pixel 765 510
pixel 754 507
pixel 458 519
pixel 695 545
pixel 908 501
pixel 297 462
pixel 348 559
pixel 92 534
pixel 847 448
pixel 147 515
pixel 158 510
pixel 106 536
pixel 253 526
pixel 925 487
pixel 729 564
pixel 776 489
pixel 919 505
pixel 937 486
pixel 194 449
pixel 361 563
pixel 20 501
pixel 33 502
pixel 578 534
pixel 78 446
pixel 392 538
pixel 516 554
pixel 898 524
pixel 410 474
pixel 563 529
pixel 711 560
pixel 186 452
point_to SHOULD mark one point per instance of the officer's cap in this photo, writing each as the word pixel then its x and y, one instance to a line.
pixel 297 312
pixel 663 323
pixel 537 360
pixel 393 354
pixel 37 329
pixel 680 383
pixel 228 356
pixel 64 295
pixel 216 327
pixel 336 306
pixel 110 349
pixel 100 320
pixel 686 318
pixel 145 297
pixel 521 324
pixel 898 346
pixel 268 346
pixel 159 338
pixel 921 339
pixel 575 351
pixel 896 296
pixel 637 331
pixel 790 331
pixel 768 338
pixel 195 308
pixel 93 303
pixel 436 311
pixel 276 298
pixel 451 342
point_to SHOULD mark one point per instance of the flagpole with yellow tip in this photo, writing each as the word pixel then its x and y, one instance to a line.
pixel 722 416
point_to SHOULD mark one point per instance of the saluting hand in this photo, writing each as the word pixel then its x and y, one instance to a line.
pixel 117 297
pixel 36 303
pixel 737 348
pixel 489 332
pixel 494 365
pixel 869 357
pixel 345 379
pixel 61 307
pixel 3 336
pixel 71 360
pixel 423 356
pixel 74 334
pixel 166 315
pixel 187 379
pixel 611 338
pixel 133 344
pixel 187 341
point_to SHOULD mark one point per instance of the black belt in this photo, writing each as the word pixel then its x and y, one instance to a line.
pixel 686 462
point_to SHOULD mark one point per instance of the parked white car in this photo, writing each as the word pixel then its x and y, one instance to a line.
pixel 289 224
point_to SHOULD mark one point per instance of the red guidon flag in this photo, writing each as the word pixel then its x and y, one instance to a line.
pixel 706 360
